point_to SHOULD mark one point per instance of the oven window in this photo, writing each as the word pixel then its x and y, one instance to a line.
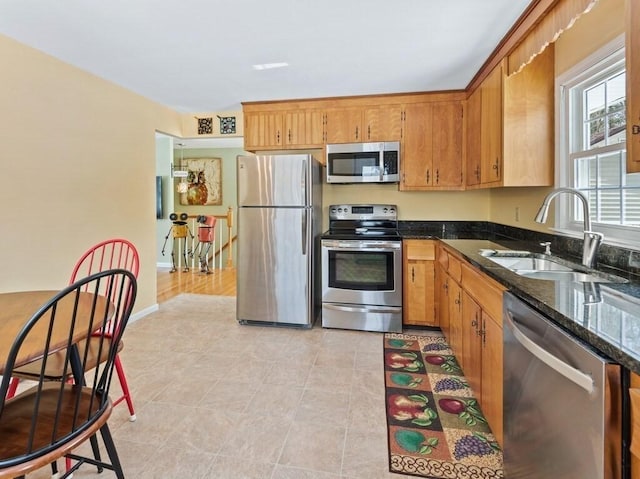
pixel 361 270
pixel 354 164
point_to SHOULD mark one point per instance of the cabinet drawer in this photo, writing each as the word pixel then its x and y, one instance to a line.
pixel 484 290
pixel 421 250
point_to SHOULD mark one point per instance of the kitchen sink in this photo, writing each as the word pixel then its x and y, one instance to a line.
pixel 535 266
pixel 529 264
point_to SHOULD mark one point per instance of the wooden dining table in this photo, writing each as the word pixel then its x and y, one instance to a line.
pixel 17 308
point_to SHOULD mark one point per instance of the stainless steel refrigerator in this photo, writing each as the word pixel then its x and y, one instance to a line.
pixel 279 221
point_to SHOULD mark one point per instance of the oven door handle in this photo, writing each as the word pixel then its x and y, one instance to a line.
pixel 360 245
pixel 365 309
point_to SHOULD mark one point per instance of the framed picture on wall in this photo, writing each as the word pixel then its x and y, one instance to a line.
pixel 204 177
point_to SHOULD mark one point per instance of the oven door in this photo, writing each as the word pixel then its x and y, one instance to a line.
pixel 365 272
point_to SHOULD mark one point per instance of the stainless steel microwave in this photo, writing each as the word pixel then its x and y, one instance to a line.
pixel 375 162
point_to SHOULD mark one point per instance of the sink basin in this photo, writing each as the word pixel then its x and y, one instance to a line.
pixel 529 264
pixel 545 268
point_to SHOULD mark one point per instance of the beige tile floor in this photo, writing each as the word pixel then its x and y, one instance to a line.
pixel 215 399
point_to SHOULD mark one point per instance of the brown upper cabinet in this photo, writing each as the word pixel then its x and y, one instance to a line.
pixel 363 124
pixel 304 129
pixel 272 130
pixel 343 125
pixel 633 85
pixel 510 127
pixel 263 130
pixel 432 146
pixel 382 123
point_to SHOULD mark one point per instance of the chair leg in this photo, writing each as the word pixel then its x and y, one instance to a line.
pixel 13 386
pixel 96 451
pixel 111 450
pixel 54 470
pixel 125 388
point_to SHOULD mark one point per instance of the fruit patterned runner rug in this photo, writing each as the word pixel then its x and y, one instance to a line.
pixel 436 429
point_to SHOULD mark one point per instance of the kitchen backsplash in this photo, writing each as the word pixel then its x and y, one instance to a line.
pixel 614 257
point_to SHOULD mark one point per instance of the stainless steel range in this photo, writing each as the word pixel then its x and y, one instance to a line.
pixel 362 269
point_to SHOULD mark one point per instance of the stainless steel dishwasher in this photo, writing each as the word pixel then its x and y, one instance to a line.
pixel 562 402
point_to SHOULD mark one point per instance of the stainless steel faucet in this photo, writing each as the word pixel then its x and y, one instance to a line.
pixel 592 239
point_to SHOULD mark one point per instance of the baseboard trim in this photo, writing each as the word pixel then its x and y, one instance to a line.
pixel 144 312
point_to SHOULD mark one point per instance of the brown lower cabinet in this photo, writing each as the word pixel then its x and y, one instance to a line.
pixel 418 285
pixel 470 305
pixel 634 396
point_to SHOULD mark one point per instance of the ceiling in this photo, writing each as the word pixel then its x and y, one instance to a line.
pixel 198 55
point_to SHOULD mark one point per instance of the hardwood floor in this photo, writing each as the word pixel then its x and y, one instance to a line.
pixel 220 282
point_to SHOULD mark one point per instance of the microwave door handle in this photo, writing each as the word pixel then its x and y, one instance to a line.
pixel 381 166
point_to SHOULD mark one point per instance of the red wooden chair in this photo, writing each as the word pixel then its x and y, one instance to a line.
pixel 110 254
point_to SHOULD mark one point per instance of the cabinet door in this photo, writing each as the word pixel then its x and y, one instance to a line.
pixel 442 300
pixel 447 144
pixel 382 123
pixel 455 321
pixel 472 343
pixel 419 283
pixel 474 122
pixel 491 127
pixel 417 148
pixel 528 123
pixel 263 130
pixel 634 426
pixel 343 125
pixel 633 85
pixel 491 397
pixel 304 129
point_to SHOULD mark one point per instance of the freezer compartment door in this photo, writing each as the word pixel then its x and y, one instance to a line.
pixel 274 266
pixel 282 180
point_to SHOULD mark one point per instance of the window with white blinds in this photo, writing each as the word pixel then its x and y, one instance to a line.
pixel 593 149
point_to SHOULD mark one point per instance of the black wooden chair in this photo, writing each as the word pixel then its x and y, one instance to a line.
pixel 51 419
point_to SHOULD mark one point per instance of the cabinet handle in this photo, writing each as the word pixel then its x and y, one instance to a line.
pixel 428 176
pixel 368 132
pixel 477 173
pixel 289 134
pixel 496 169
pixel 437 176
pixel 356 132
pixel 278 138
pixel 635 129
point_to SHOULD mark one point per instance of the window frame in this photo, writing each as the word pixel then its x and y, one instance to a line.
pixel 606 57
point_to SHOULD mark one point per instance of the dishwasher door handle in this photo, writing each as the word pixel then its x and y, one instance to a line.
pixel 572 374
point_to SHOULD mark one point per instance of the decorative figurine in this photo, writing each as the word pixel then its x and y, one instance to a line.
pixel 205 239
pixel 180 229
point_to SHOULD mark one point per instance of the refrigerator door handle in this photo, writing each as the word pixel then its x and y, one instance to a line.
pixel 305 220
pixel 574 375
pixel 305 186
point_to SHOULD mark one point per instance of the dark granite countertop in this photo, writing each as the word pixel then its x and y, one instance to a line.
pixel 604 315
